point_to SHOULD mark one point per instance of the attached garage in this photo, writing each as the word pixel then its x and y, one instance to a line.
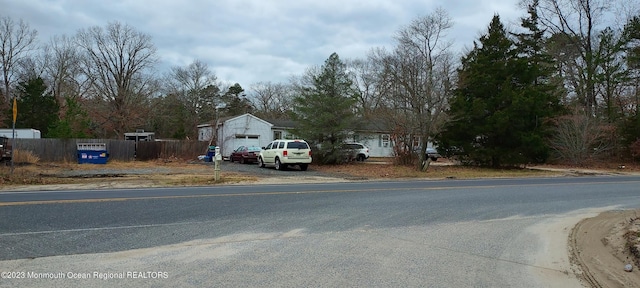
pixel 243 130
pixel 248 140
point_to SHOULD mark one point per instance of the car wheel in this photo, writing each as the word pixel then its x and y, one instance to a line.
pixel 303 167
pixel 278 165
pixel 242 160
pixel 260 163
pixel 434 158
pixel 360 157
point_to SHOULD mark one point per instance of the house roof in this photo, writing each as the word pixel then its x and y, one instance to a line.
pixel 222 120
pixel 368 125
pixel 282 123
pixel 376 125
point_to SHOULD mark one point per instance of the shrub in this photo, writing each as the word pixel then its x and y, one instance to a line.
pixel 24 157
pixel 579 138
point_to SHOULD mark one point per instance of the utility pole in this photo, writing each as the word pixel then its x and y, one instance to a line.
pixel 13 141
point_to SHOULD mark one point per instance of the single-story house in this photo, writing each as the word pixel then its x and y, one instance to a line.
pixel 236 131
pixel 249 130
pixel 375 136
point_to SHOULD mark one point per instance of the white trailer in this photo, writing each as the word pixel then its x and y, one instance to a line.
pixel 22 133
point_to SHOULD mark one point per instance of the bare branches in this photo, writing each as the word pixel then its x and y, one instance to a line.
pixel 418 76
pixel 272 100
pixel 365 75
pixel 427 35
pixel 16 41
pixel 576 23
pixel 61 65
pixel 196 86
pixel 115 61
pixel 580 137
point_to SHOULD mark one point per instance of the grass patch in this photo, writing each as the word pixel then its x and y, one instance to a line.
pixel 53 173
pixel 203 180
pixel 373 171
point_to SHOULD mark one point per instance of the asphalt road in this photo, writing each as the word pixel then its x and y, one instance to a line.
pixel 453 233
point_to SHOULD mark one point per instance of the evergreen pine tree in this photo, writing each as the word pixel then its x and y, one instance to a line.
pixel 538 92
pixel 37 108
pixel 74 124
pixel 324 111
pixel 505 93
pixel 479 123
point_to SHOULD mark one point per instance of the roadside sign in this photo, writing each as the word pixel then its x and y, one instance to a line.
pixel 15 110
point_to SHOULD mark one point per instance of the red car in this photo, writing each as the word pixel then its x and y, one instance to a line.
pixel 245 154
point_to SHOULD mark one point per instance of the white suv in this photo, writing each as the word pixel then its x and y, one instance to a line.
pixel 356 151
pixel 282 153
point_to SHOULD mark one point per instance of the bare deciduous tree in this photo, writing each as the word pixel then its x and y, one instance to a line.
pixel 366 76
pixel 419 75
pixel 272 100
pixel 115 61
pixel 197 88
pixel 16 41
pixel 62 67
pixel 576 23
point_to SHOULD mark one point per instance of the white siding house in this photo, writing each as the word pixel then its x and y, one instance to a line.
pixel 379 143
pixel 282 129
pixel 243 130
pixel 250 130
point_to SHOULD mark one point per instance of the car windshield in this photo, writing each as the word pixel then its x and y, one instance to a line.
pixel 299 145
pixel 254 149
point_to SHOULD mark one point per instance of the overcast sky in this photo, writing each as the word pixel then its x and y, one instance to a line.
pixel 248 41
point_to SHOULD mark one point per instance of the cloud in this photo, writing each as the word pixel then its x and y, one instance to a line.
pixel 248 41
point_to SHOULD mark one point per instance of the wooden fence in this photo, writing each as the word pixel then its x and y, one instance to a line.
pixel 66 150
pixel 170 149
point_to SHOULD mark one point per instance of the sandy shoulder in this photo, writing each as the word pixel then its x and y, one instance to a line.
pixel 552 265
pixel 598 249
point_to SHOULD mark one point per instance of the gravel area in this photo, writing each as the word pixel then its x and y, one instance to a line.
pixel 197 168
pixel 293 171
pixel 194 173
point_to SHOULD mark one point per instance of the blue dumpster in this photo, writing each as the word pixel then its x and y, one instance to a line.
pixel 92 153
pixel 211 152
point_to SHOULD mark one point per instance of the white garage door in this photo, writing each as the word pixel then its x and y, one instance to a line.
pixel 248 140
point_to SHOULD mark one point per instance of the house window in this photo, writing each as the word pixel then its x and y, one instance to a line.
pixel 384 140
pixel 277 135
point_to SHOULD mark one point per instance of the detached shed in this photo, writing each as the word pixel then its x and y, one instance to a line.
pixel 140 135
pixel 243 130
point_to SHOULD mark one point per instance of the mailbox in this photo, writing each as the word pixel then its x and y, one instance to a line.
pixel 218 155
